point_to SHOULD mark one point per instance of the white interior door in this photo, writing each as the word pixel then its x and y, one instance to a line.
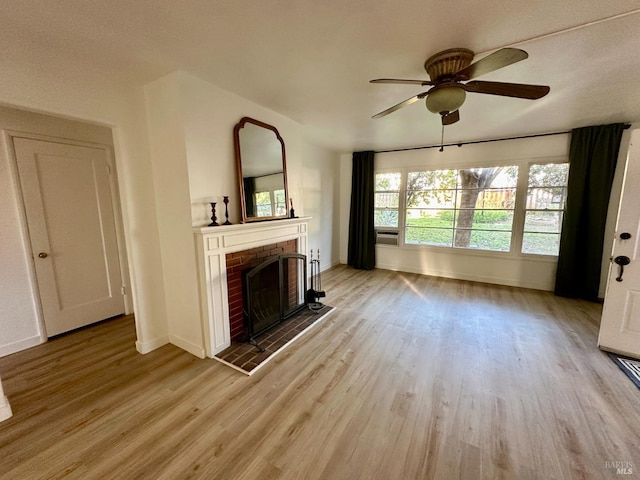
pixel 69 210
pixel 620 325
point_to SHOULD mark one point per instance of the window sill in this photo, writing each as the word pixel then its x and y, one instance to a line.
pixel 528 257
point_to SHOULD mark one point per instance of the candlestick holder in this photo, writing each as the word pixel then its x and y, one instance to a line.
pixel 292 212
pixel 213 223
pixel 225 199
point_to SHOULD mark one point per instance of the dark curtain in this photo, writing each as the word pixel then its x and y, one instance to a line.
pixel 249 196
pixel 362 252
pixel 592 163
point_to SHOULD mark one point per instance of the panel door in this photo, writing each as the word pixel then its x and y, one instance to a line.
pixel 620 325
pixel 69 209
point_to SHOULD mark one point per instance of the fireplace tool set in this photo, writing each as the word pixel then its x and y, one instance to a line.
pixel 315 292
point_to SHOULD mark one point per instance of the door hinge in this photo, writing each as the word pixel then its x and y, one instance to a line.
pixel 123 290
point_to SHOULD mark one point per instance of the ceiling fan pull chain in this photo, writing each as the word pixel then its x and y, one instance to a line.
pixel 442 140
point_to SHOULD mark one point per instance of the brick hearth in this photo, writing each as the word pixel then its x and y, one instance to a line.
pixel 247 357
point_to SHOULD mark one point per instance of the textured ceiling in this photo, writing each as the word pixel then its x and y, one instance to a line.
pixel 312 61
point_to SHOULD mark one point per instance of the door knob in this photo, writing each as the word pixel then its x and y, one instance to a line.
pixel 621 261
pixel 43 255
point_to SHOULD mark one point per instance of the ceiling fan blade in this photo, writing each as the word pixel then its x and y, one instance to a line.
pixel 452 117
pixel 400 81
pixel 498 59
pixel 408 101
pixel 518 90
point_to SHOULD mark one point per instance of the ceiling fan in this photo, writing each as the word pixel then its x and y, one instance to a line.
pixel 452 75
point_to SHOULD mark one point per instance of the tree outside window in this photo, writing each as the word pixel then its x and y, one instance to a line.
pixel 466 208
pixel 263 204
pixel 280 202
pixel 270 203
pixel 475 208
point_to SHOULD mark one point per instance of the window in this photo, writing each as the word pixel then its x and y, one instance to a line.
pixel 280 202
pixel 387 199
pixel 267 200
pixel 517 208
pixel 263 204
pixel 466 208
pixel 546 194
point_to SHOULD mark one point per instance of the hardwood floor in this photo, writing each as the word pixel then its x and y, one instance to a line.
pixel 412 377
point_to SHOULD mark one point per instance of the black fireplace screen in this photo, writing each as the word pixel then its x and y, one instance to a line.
pixel 274 291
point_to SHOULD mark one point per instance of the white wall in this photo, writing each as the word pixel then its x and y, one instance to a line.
pixel 39 79
pixel 269 183
pixel 19 327
pixel 321 199
pixel 190 124
pixel 173 144
pixel 490 267
pixel 210 114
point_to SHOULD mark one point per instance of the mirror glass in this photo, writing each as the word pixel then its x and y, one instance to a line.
pixel 262 172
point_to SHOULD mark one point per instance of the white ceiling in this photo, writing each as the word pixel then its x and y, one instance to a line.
pixel 312 60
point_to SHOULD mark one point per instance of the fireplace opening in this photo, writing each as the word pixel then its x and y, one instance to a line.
pixel 274 291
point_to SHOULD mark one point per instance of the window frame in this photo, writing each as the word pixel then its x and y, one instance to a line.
pixel 273 204
pixel 525 209
pixel 401 200
pixel 456 191
pixel 517 231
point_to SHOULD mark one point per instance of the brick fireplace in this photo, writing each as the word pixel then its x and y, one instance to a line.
pixel 223 252
pixel 242 261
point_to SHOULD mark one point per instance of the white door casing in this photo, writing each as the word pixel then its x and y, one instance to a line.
pixel 69 210
pixel 620 324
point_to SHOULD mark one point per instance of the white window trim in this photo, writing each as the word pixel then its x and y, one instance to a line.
pixel 517 230
pixel 524 207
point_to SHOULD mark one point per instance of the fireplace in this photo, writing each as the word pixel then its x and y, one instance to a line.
pixel 238 265
pixel 274 290
pixel 223 254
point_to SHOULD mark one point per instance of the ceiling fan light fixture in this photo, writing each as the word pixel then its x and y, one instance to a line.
pixel 449 68
pixel 445 99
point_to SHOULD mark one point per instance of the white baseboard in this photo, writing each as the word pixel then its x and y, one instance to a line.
pixel 20 345
pixel 468 277
pixel 150 345
pixel 327 266
pixel 5 409
pixel 192 348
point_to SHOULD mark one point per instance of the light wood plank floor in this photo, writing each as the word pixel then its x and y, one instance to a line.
pixel 412 377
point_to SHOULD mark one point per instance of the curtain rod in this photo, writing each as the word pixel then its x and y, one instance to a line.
pixel 472 142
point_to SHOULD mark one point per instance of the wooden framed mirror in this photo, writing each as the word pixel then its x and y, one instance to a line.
pixel 262 171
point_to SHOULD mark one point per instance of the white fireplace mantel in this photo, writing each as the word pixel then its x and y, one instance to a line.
pixel 212 246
